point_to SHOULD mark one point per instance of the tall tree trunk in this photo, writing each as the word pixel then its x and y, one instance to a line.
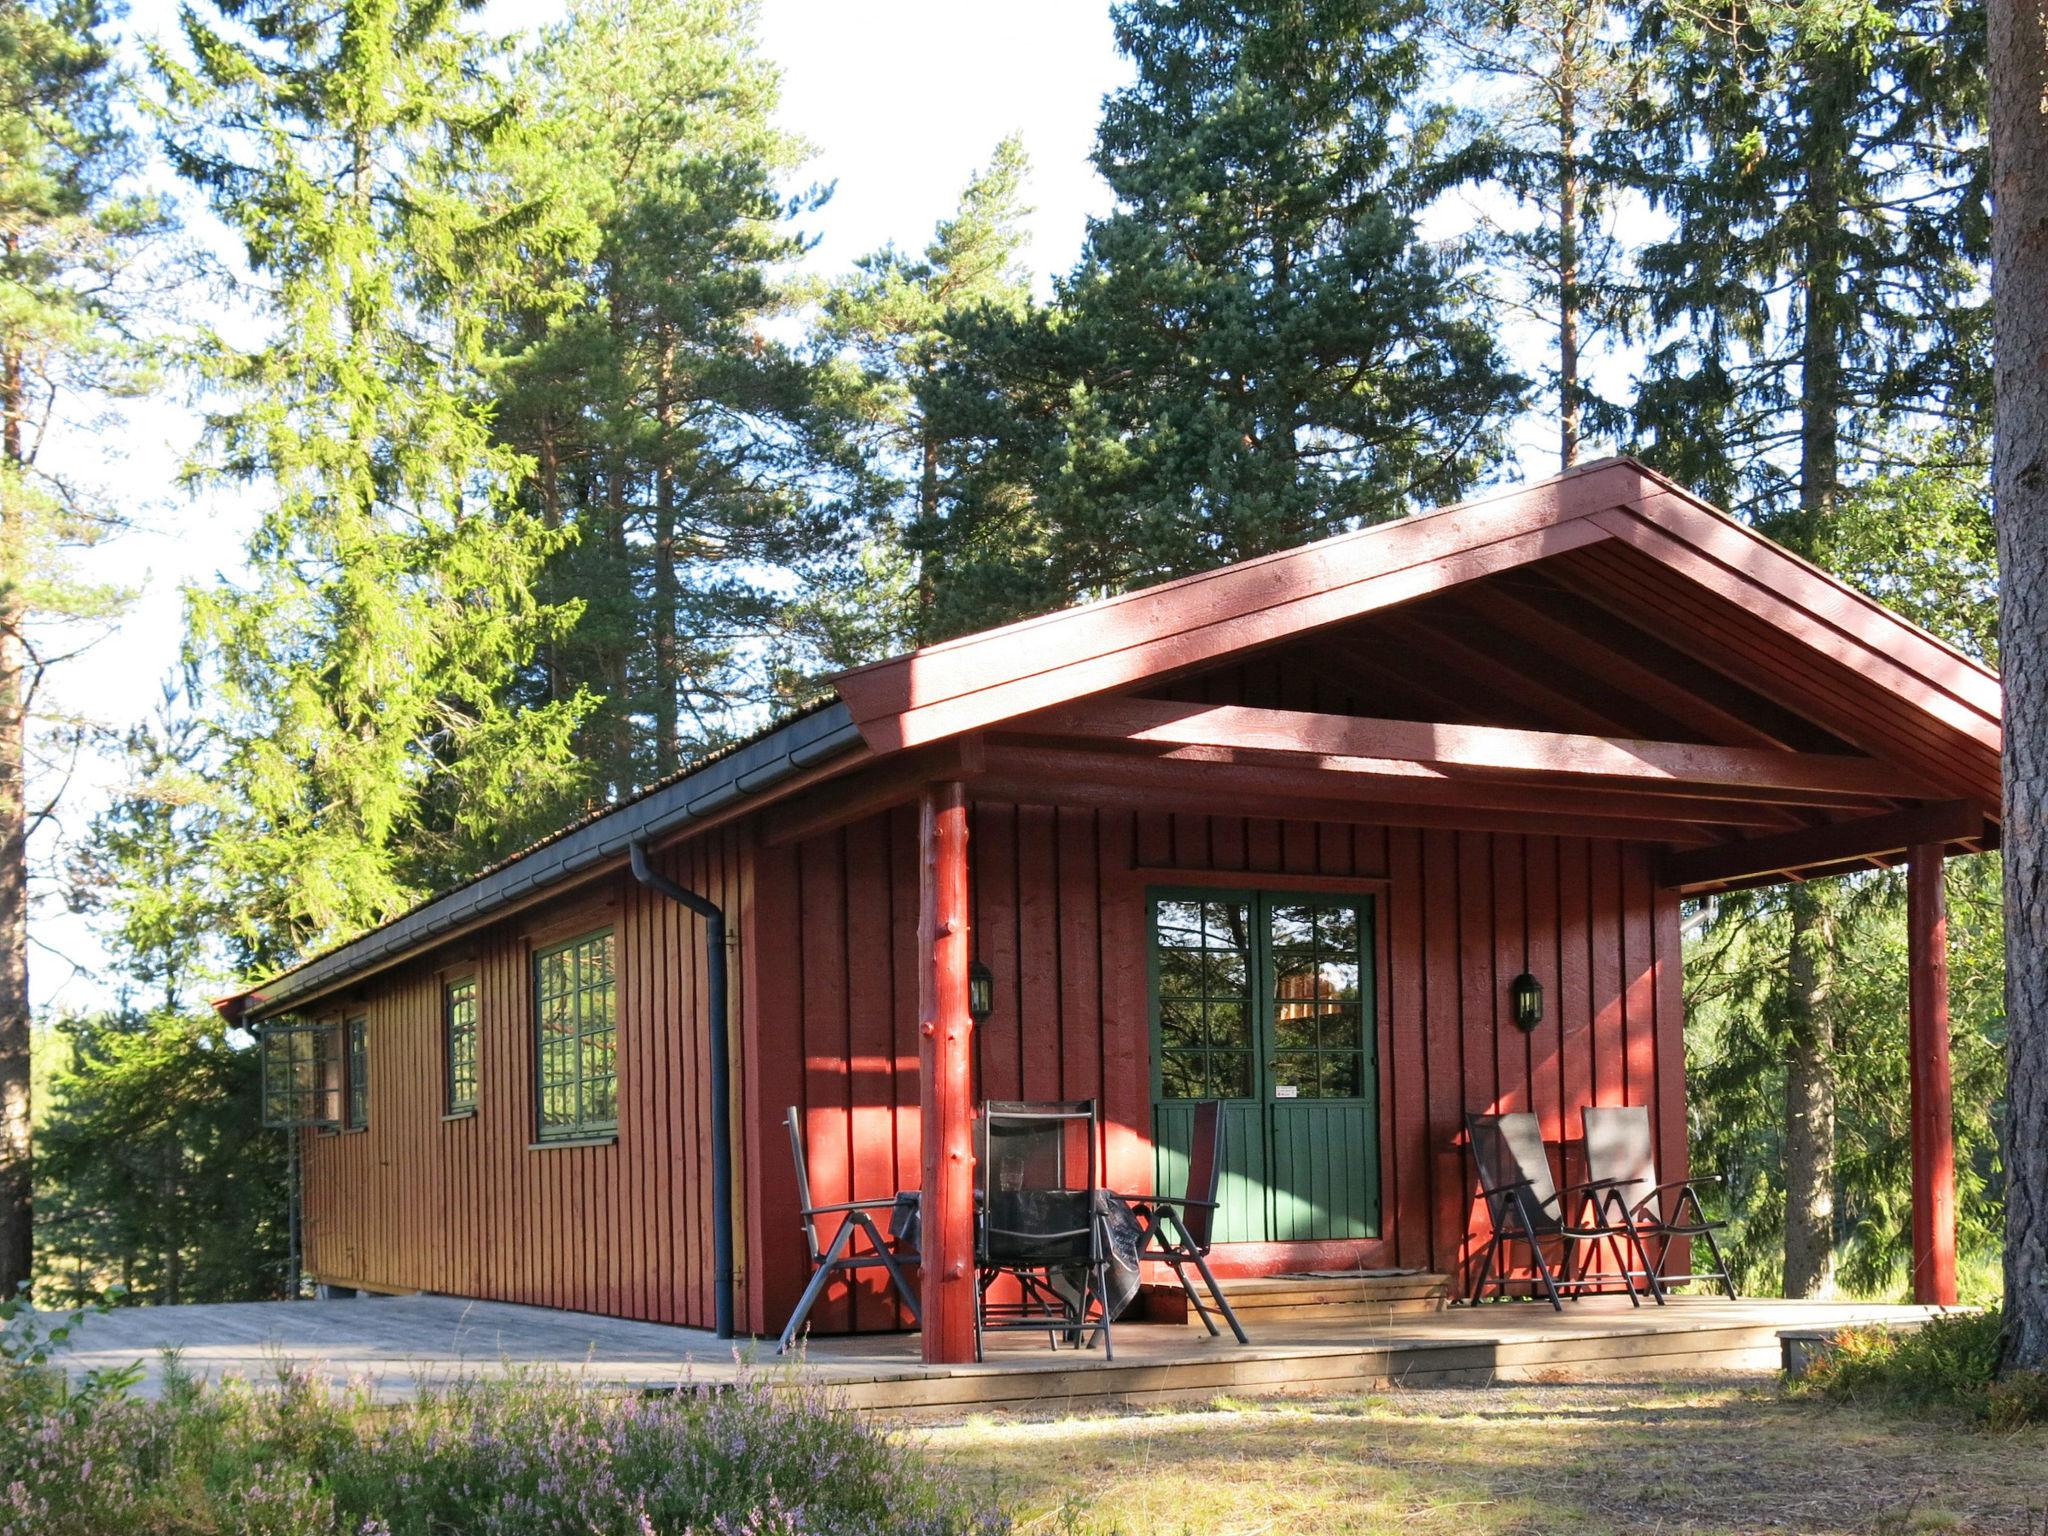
pixel 16 1183
pixel 1569 213
pixel 2019 278
pixel 1809 1105
pixel 668 681
pixel 928 528
pixel 1810 1072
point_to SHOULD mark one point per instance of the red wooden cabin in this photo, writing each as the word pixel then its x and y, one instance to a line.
pixel 1282 833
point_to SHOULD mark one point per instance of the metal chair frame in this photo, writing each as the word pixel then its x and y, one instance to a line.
pixel 1041 1306
pixel 841 1258
pixel 1191 1218
pixel 1640 1199
pixel 1532 1208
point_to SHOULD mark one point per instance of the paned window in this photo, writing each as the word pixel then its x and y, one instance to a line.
pixel 576 1038
pixel 458 1013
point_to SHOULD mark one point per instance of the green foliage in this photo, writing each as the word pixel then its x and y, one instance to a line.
pixel 1257 348
pixel 359 683
pixel 898 318
pixel 1823 283
pixel 34 1388
pixel 1948 1364
pixel 1737 1047
pixel 154 1170
pixel 532 1456
pixel 703 464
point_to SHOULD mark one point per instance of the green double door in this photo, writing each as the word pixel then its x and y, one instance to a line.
pixel 1264 1001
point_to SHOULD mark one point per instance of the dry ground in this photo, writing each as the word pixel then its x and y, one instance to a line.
pixel 1720 1455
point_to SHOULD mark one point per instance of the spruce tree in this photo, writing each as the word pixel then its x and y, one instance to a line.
pixel 2019 140
pixel 1819 297
pixel 1257 348
pixel 643 366
pixel 1557 77
pixel 71 238
pixel 358 678
pixel 899 317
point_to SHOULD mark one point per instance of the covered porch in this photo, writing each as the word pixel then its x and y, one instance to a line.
pixel 1509 738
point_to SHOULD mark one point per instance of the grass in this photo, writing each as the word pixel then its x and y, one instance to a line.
pixel 1703 1457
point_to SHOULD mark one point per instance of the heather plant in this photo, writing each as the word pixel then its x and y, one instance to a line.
pixel 538 1453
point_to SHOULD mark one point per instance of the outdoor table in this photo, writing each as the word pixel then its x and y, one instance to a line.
pixel 1120 1225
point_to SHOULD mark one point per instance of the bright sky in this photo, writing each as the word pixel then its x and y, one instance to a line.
pixel 902 100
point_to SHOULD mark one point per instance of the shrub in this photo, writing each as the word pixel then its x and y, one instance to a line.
pixel 533 1454
pixel 1949 1362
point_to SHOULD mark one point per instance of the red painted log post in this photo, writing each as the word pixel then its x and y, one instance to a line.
pixel 946 1092
pixel 1933 1122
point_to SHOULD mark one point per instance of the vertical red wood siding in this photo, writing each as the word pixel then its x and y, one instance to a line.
pixel 824 992
pixel 467 1206
pixel 1059 919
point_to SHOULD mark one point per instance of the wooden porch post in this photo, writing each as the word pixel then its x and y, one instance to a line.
pixel 946 1091
pixel 1933 1122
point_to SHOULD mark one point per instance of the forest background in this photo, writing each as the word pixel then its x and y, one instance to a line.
pixel 558 456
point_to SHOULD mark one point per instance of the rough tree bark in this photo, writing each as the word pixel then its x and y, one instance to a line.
pixel 1570 211
pixel 1809 1106
pixel 2019 277
pixel 16 1207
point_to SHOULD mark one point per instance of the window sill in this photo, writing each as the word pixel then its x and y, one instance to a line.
pixel 549 1143
pixel 352 1130
pixel 460 1114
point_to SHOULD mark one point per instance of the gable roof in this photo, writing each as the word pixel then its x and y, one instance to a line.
pixel 1639 545
pixel 1746 604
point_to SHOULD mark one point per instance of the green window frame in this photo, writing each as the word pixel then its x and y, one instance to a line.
pixel 458 1016
pixel 575 1023
pixel 358 1031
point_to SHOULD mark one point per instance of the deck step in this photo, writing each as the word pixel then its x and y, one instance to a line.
pixel 1363 1294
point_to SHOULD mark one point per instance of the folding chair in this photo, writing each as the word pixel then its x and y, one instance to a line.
pixel 1525 1205
pixel 1177 1231
pixel 1621 1153
pixel 1040 1222
pixel 842 1258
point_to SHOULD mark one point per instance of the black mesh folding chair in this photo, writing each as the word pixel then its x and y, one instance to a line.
pixel 1621 1152
pixel 1178 1230
pixel 843 1257
pixel 1525 1206
pixel 1039 1222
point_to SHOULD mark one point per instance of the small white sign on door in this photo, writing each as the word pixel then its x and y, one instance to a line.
pixel 1286 1091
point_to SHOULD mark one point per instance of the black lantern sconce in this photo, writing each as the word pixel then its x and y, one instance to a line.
pixel 1526 993
pixel 981 992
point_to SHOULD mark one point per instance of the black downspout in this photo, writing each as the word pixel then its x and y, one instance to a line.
pixel 721 1078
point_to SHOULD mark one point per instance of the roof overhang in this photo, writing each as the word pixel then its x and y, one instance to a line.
pixel 755 773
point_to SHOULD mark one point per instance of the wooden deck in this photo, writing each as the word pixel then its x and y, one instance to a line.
pixel 399 1344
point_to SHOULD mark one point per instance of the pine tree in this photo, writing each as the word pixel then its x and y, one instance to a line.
pixel 359 678
pixel 1819 296
pixel 2019 142
pixel 898 316
pixel 1561 78
pixel 70 237
pixel 1257 347
pixel 642 367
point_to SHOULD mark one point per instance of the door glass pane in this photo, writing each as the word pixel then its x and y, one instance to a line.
pixel 1203 998
pixel 1313 993
pixel 1297 1070
pixel 1230 1075
pixel 1230 1026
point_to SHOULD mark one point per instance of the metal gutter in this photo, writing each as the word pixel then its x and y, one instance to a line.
pixel 737 775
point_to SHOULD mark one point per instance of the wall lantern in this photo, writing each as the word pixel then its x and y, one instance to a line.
pixel 1526 993
pixel 981 992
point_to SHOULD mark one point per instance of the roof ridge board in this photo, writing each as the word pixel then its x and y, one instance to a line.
pixel 1834 587
pixel 1535 519
pixel 1862 597
pixel 1196 578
